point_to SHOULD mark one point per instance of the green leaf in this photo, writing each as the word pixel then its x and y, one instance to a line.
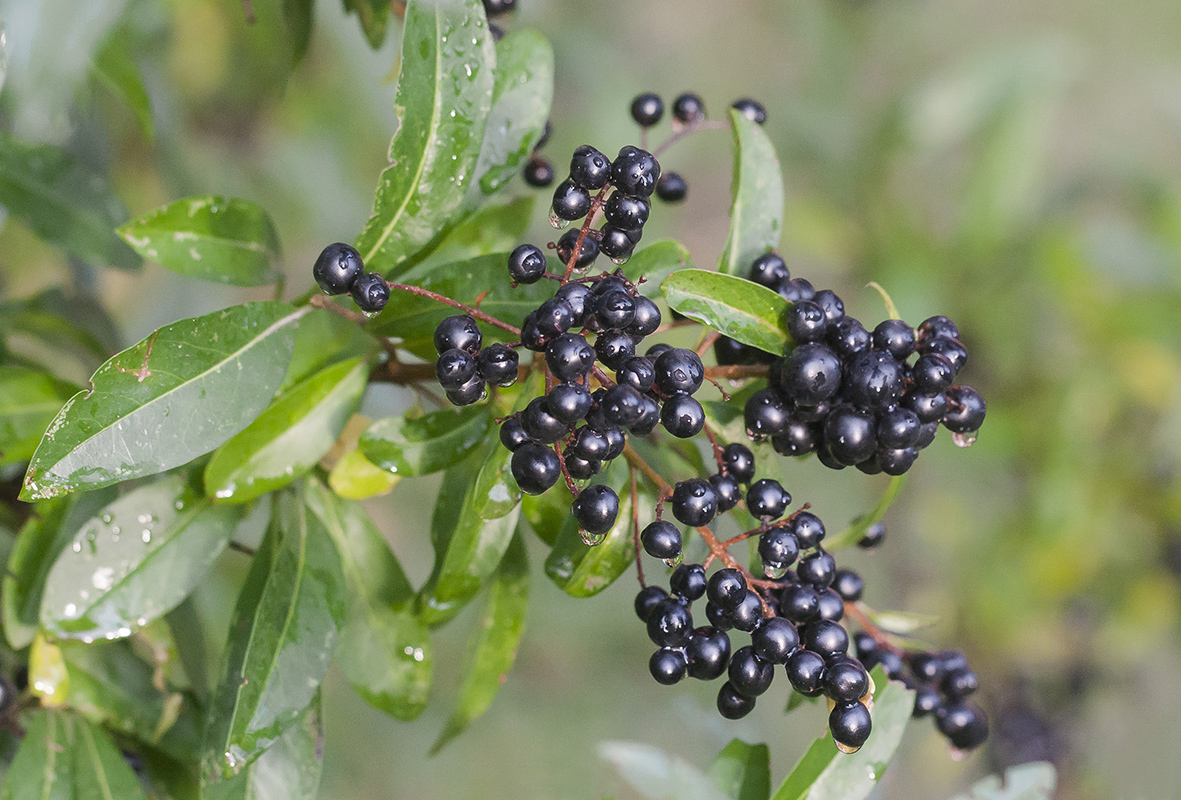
pixel 385 650
pixel 322 339
pixel 442 103
pixel 176 395
pixel 42 769
pixel 37 546
pixel 100 771
pixel 743 771
pixel 739 308
pixel 421 445
pixel 1033 781
pixel 114 68
pixel 656 262
pixel 219 239
pixel 287 439
pixel 29 400
pixel 546 513
pixel 900 623
pixel 497 226
pixel 861 523
pixel 657 775
pixel 413 318
pixel 756 209
pixel 298 14
pixel 493 647
pixel 521 98
pixel 289 769
pixel 470 537
pixel 824 773
pixel 374 16
pixel 64 202
pixel 796 700
pixel 583 571
pixel 134 561
pixel 726 418
pixel 69 334
pixel 281 639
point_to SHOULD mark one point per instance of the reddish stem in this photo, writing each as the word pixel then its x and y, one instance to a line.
pixel 474 312
pixel 636 527
pixel 596 204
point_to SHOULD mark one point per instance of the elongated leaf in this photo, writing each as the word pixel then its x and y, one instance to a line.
pixel 521 97
pixel 656 262
pixel 739 308
pixel 657 775
pixel 298 14
pixel 421 445
pixel 824 773
pixel 901 623
pixel 114 68
pixel 374 16
pixel 174 396
pixel 64 202
pixel 289 437
pixel 1033 781
pixel 385 650
pixel 355 477
pixel 68 334
pixel 756 209
pixel 134 561
pixel 546 514
pixel 282 637
pixel 860 524
pixel 42 769
pixel 493 648
pixel 743 771
pixel 583 571
pixel 442 103
pixel 29 400
pixel 220 239
pixel 471 538
pixel 323 339
pixel 100 771
pixel 497 226
pixel 37 547
pixel 288 770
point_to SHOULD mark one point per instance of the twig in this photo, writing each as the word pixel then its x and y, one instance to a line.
pixel 854 612
pixel 474 312
pixel 737 371
pixel 596 204
pixel 704 125
pixel 322 301
pixel 636 527
pixel 249 9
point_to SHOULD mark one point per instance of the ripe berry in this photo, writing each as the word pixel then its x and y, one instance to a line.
pixel 531 336
pixel 898 428
pixel 960 683
pixel 337 266
pixel 965 410
pixel 468 393
pixel 615 309
pixel 708 652
pixel 806 322
pixel 808 529
pixel 554 316
pixel 637 372
pixel 895 337
pixel 568 402
pixel 774 640
pixel 769 270
pixel 866 648
pixel 581 469
pixel 739 461
pixel 498 364
pixel 667 666
pixel 817 569
pixel 873 379
pixel 805 670
pixel 951 349
pixel 732 704
pixel 927 434
pixel 647 318
pixel 938 327
pixel 795 290
pixel 589 169
pixel 616 243
pixel 928 408
pixel 850 724
pixel 932 374
pixel 766 499
pixel 540 424
pixel 848 584
pixel 830 606
pixel 846 681
pixel 726 588
pixel 694 502
pixel 512 434
pixel 778 547
pixel 622 406
pixel 811 374
pixel 728 489
pixel 596 508
pixel 458 333
pixel 747 615
pixel 682 416
pixel 926 701
pixel 896 462
pixel 679 370
pixel 688 580
pixel 825 637
pixel 616 441
pixel 718 617
pixel 670 623
pixel 634 172
pixel 590 444
pixel 454 368
pixel 571 201
pixel 661 539
pixel 750 675
pixel 370 292
pixel 891 663
pixel 647 109
pixel 688 108
pixel 648 598
pixel 751 109
pixel 800 602
pixel 586 255
pixel 831 303
pixel 538 173
pixel 569 357
pixel 576 295
pixel 535 468
pixel 626 213
pixel 671 188
pixel 765 414
pixel 847 336
pixel 797 439
pixel 849 435
pixel 614 348
pixel 963 723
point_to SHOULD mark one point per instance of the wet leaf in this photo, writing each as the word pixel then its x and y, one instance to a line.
pixel 421 445
pixel 289 769
pixel 546 514
pixel 47 673
pixel 322 339
pixel 100 771
pixel 282 636
pixel 901 623
pixel 63 202
pixel 219 239
pixel 756 208
pixel 743 771
pixel 739 308
pixel 287 439
pixel 583 571
pixel 355 477
pixel 493 646
pixel 656 262
pixel 134 561
pixel 497 226
pixel 42 768
pixel 860 524
pixel 824 773
pixel 442 102
pixel 29 400
pixel 656 774
pixel 114 69
pixel 176 395
pixel 1033 781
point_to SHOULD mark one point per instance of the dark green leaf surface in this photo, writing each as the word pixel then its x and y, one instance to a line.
pixel 288 770
pixel 496 227
pixel 546 514
pixel 584 571
pixel 287 439
pixel 281 639
pixel 322 339
pixel 100 771
pixel 442 103
pixel 421 445
pixel 174 396
pixel 796 700
pixel 656 262
pixel 134 561
pixel 739 308
pixel 385 650
pixel 852 534
pixel 298 14
pixel 521 97
pixel 756 209
pixel 374 16
pixel 493 647
pixel 43 767
pixel 824 773
pixel 114 68
pixel 63 202
pixel 220 239
pixel 29 400
pixel 743 771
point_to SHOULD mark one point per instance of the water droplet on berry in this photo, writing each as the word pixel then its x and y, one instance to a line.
pixel 558 222
pixel 591 539
pixel 673 563
pixel 370 314
pixel 964 439
pixel 619 261
pixel 773 572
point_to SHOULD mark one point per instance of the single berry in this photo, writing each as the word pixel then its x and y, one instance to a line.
pixel 679 370
pixel 589 169
pixel 825 637
pixel 891 663
pixel 796 289
pixel 458 333
pixel 895 462
pixel 468 393
pixel 498 364
pixel 568 402
pixel 512 434
pixel 873 379
pixel 726 588
pixel 898 428
pixel 751 109
pixel 625 212
pixel 799 603
pixel 337 267
pixel 569 357
pixel 951 349
pixel 649 417
pixel 938 327
pixel 817 569
pixel 454 368
pixel 670 623
pixel 808 529
pixel 554 316
pixel 708 652
pixel 667 665
pixel 926 701
pixel 774 640
pixel 866 648
pixel 850 724
pixel 526 264
pixel 718 617
pixel 634 172
pixel 661 539
pixel 586 255
pixel 767 499
pixel 895 337
pixel 960 683
pixel 688 580
pixel 778 547
pixel 580 469
pixel 647 109
pixel 873 536
pixel 614 348
pixel 728 489
pixel 540 424
pixel 646 319
pixel 965 410
pixel 747 615
pixel 963 723
pixel 616 442
pixel 739 461
pixel 590 444
pixel 932 374
pixel 648 598
pixel 927 667
pixel 848 584
pixel 806 322
pixel 849 435
pixel 750 675
pixel 694 502
pixel 732 704
pixel 682 416
pixel 830 606
pixel 765 414
pixel 577 296
pixel 531 336
pixel 688 108
pixel 538 173
pixel 370 292
pixel 637 372
pixel 615 309
pixel 596 508
pixel 671 188
pixel 535 468
pixel 769 270
pixel 847 336
pixel 831 303
pixel 805 670
pixel 571 201
pixel 617 244
pixel 846 681
pixel 796 439
pixel 811 374
pixel 622 406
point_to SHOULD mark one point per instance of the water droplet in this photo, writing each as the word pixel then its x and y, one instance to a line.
pixel 773 572
pixel 224 493
pixel 591 539
pixel 370 314
pixel 621 260
pixel 107 518
pixel 102 578
pixel 144 518
pixel 673 563
pixel 180 504
pixel 147 536
pixel 873 773
pixel 70 610
pixel 77 548
pixel 965 439
pixel 558 222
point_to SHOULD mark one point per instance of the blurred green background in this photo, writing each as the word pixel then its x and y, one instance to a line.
pixel 1014 165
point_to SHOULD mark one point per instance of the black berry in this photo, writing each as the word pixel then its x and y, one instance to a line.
pixel 535 468
pixel 337 267
pixel 370 292
pixel 647 109
pixel 661 539
pixel 694 502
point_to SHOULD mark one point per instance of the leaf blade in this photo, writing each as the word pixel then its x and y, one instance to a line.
pixel 42 769
pixel 100 771
pixel 756 208
pixel 738 308
pixel 421 445
pixel 29 400
pixel 861 523
pixel 743 771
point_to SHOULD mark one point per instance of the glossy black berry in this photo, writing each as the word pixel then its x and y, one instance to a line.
pixel 688 580
pixel 667 665
pixel 926 701
pixel 937 327
pixel 767 499
pixel 774 640
pixel 811 375
pixel 769 270
pixel 614 348
pixel 571 201
pixel 817 569
pixel 726 588
pixel 647 109
pixel 454 368
pixel 647 599
pixel 963 723
pixel 554 316
pixel 590 444
pixel 805 670
pixel 831 303
pixel 965 410
pixel 747 615
pixel 847 336
pixel 739 461
pixel 897 428
pixel 531 336
pixel 891 663
pixel 568 402
pixel 846 681
pixel 370 292
pixel 708 652
pixel 866 648
pixel 635 172
pixel 616 442
pixel 929 408
pixel 849 435
pixel 751 109
pixel 682 416
pixel 586 255
pixel 535 467
pixel 895 337
pixel 778 547
pixel 688 108
pixel 808 529
pixel 825 637
pixel 728 489
pixel 848 584
pixel 896 462
pixel 637 372
pixel 540 424
pixel 494 8
pixel 616 243
pixel 661 539
pixel 615 309
pixel 679 371
pixel 694 502
pixel 646 319
pixel 576 295
pixel 800 602
pixel 512 434
pixel 538 173
pixel 468 393
pixel 622 406
pixel 498 364
pixel 830 606
pixel 796 289
pixel 596 508
pixel 671 188
pixel 932 374
pixel 670 623
pixel 732 704
pixel 569 357
pixel 796 439
pixel 589 169
pixel 850 724
pixel 927 434
pixel 960 683
pixel 750 675
pixel 458 333
pixel 873 379
pixel 765 414
pixel 337 267
pixel 951 349
pixel 580 469
pixel 806 322
pixel 625 212
pixel 718 617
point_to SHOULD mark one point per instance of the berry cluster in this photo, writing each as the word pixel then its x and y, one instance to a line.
pixel 464 367
pixel 339 270
pixel 855 397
